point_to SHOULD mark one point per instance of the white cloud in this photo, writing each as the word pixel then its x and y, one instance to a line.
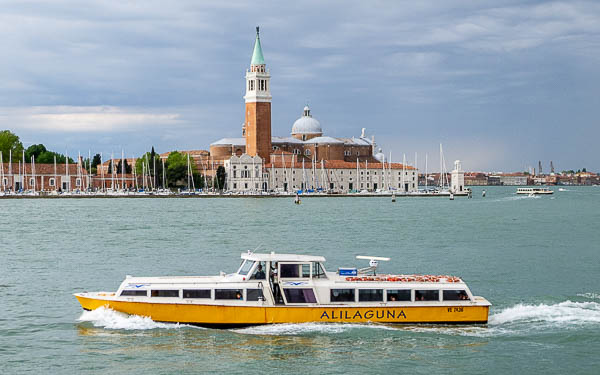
pixel 97 119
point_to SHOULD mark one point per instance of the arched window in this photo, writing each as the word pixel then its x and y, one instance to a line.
pixel 307 152
pixel 52 182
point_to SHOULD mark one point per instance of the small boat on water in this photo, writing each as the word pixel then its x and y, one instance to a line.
pixel 273 288
pixel 534 191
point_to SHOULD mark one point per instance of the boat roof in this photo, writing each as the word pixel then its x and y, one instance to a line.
pixel 273 257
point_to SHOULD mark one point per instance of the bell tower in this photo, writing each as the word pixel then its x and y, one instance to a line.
pixel 257 127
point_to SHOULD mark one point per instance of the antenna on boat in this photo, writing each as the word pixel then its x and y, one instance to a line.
pixel 373 263
pixel 257 247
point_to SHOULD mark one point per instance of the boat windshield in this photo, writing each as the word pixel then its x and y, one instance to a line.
pixel 246 267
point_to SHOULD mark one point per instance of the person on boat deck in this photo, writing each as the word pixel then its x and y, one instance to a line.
pixel 260 274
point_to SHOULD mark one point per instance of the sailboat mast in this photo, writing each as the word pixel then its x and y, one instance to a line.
pixel 10 172
pixel 426 172
pixel 188 172
pixel 441 171
pixel 102 172
pixel 303 176
pixel 122 170
pixel 33 171
pixel 24 172
pixel 112 171
pixel 67 171
pixel 163 174
pixel 2 171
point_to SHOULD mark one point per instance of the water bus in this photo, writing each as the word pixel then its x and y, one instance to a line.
pixel 273 288
pixel 534 191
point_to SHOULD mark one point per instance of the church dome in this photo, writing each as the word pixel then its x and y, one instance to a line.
pixel 306 124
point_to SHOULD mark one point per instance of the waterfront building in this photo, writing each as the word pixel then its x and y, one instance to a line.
pixel 43 177
pixel 307 159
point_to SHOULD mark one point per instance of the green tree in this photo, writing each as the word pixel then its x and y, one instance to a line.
pixel 177 171
pixel 147 159
pixel 96 160
pixel 120 167
pixel 35 151
pixel 220 178
pixel 10 142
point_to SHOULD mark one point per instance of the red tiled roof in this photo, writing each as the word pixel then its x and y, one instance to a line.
pixel 130 161
pixel 45 169
pixel 193 153
pixel 336 164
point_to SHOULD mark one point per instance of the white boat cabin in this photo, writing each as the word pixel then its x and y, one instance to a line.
pixel 297 280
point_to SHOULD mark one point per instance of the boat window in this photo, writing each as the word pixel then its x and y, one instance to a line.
pixel 196 293
pixel 139 293
pixel 366 295
pixel 290 270
pixel 342 295
pixel 427 295
pixel 455 295
pixel 254 294
pixel 246 267
pixel 318 271
pixel 299 295
pixel 165 293
pixel 229 294
pixel 398 295
pixel 306 270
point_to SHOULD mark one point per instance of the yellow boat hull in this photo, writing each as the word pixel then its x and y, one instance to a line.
pixel 229 316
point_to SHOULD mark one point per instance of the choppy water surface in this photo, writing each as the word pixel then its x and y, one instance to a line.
pixel 536 259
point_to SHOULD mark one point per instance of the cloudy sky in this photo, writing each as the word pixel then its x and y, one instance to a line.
pixel 502 84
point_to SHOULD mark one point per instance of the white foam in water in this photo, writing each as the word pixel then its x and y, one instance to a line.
pixel 589 295
pixel 511 320
pixel 564 313
pixel 303 328
pixel 111 319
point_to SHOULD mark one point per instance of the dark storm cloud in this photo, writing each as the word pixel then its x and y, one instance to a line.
pixel 500 83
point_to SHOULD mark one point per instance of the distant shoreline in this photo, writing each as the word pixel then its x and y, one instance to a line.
pixel 230 196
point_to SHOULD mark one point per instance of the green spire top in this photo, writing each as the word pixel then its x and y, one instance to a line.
pixel 257 55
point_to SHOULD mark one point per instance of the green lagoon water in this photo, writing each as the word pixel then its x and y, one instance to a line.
pixel 536 259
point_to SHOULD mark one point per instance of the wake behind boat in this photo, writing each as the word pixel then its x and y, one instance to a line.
pixel 289 288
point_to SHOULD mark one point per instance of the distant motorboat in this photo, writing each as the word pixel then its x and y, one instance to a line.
pixel 535 191
pixel 562 189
